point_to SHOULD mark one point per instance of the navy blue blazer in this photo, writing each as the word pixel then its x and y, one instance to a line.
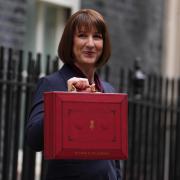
pixel 65 169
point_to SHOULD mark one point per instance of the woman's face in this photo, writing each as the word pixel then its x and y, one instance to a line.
pixel 87 46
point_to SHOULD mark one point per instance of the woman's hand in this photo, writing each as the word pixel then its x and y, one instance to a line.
pixel 80 85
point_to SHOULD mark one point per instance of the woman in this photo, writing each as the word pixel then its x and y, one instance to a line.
pixel 84 47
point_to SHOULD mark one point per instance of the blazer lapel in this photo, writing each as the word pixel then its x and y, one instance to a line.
pixel 66 73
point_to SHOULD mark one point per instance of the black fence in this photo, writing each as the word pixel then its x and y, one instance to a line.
pixel 154 119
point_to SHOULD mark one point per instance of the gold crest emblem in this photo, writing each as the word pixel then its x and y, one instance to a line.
pixel 92 125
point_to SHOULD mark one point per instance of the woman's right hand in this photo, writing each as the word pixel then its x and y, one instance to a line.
pixel 80 85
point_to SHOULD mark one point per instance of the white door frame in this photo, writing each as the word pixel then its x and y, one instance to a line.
pixel 171 51
pixel 73 5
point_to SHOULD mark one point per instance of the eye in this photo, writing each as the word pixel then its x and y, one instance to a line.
pixel 82 35
pixel 98 36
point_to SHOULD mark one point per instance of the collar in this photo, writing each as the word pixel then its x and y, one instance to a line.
pixel 69 71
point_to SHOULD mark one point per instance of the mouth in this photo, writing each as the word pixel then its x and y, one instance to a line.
pixel 89 53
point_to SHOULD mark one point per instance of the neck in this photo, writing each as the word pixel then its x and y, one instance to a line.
pixel 88 72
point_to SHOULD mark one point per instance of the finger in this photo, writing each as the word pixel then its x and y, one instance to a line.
pixel 85 90
pixel 72 88
pixel 72 80
pixel 81 83
pixel 70 85
pixel 77 83
pixel 93 87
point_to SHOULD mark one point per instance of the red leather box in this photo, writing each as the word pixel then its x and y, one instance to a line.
pixel 85 125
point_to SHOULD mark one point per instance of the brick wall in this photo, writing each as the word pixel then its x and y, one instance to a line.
pixel 136 30
pixel 12 23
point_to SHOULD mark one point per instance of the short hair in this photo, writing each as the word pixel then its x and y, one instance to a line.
pixel 87 18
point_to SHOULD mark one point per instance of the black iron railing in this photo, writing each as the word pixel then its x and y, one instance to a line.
pixel 154 119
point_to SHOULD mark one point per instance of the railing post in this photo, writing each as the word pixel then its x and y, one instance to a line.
pixel 48 65
pixel 177 155
pixel 28 166
pixel 1 92
pixel 138 79
pixel 17 109
pixel 107 73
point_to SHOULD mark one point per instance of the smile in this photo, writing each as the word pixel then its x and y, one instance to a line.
pixel 90 53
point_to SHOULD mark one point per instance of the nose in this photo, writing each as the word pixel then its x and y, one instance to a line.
pixel 90 41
